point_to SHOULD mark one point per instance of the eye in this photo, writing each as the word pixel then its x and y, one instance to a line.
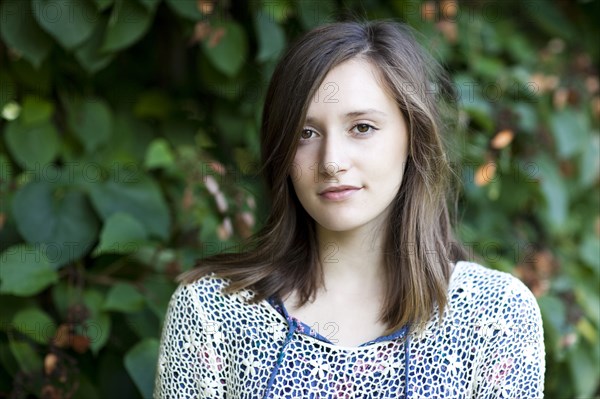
pixel 363 129
pixel 306 134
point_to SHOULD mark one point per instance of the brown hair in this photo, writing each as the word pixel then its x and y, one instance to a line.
pixel 418 243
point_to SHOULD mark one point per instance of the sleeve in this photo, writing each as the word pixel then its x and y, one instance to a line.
pixel 512 363
pixel 184 368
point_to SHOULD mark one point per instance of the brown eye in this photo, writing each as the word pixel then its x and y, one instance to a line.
pixel 306 134
pixel 362 127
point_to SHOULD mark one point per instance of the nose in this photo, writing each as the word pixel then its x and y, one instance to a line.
pixel 334 156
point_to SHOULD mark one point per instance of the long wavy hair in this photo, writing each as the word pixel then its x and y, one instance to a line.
pixel 419 244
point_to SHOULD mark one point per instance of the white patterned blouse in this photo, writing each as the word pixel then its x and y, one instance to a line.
pixel 489 344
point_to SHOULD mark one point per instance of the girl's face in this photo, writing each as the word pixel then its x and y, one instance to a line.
pixel 354 135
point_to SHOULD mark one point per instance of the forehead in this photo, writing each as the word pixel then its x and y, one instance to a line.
pixel 355 83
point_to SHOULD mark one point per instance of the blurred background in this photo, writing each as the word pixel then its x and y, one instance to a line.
pixel 129 141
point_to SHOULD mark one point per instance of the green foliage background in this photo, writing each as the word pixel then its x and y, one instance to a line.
pixel 129 139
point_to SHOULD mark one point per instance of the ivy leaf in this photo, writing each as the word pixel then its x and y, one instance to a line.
pixel 29 360
pixel 271 38
pixel 159 154
pixel 153 104
pixel 121 234
pixel 36 324
pixel 554 190
pixel 21 32
pixel 140 362
pixel 103 4
pixel 185 9
pixel 91 121
pixel 32 138
pixel 139 196
pixel 25 270
pixel 589 163
pixel 32 146
pixel 58 217
pixel 89 55
pixel 70 22
pixel 589 250
pixel 583 364
pixel 151 4
pixel 98 324
pixel 123 297
pixel 128 22
pixel 226 47
pixel 570 132
pixel 36 110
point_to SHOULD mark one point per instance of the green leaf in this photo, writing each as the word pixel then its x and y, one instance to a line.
pixel 62 297
pixel 487 67
pixel 158 291
pixel 226 47
pixel 315 13
pixel 36 110
pixel 32 146
pixel 128 22
pixel 25 270
pixel 139 196
pixel 472 102
pixel 570 132
pixel 546 15
pixel 21 32
pixel 278 11
pixel 589 163
pixel 98 324
pixel 89 55
pixel 7 360
pixel 271 38
pixel 583 366
pixel 527 117
pixel 186 9
pixel 150 4
pixel 140 362
pixel 91 120
pixel 57 217
pixel 554 315
pixel 121 234
pixel 153 104
pixel 159 154
pixel 29 360
pixel 36 324
pixel 103 4
pixel 588 298
pixel 123 297
pixel 589 250
pixel 554 190
pixel 70 22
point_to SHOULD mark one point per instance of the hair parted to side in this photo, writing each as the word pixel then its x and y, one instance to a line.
pixel 419 241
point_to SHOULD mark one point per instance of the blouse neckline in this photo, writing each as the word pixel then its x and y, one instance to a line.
pixel 275 303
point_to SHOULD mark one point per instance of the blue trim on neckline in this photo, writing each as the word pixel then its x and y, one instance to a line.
pixel 275 302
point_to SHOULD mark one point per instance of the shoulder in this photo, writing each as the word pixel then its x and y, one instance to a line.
pixel 498 284
pixel 207 293
pixel 492 292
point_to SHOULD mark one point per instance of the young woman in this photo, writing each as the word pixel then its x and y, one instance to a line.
pixel 354 287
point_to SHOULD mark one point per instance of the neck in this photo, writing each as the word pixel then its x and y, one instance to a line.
pixel 352 260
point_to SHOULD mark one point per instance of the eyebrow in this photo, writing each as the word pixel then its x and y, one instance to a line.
pixel 354 114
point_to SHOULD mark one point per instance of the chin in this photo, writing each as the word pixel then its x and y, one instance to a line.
pixel 338 225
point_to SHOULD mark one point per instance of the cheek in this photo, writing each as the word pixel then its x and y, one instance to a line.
pixel 300 172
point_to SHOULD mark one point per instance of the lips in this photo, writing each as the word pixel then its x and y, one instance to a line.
pixel 339 193
pixel 334 189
